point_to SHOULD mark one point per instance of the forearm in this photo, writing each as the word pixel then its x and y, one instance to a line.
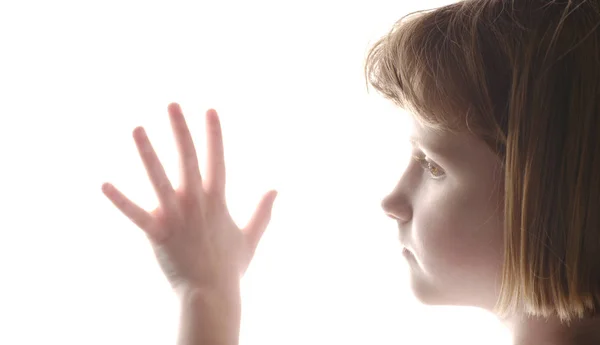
pixel 210 318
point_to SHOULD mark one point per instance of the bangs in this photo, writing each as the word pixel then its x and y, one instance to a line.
pixel 431 64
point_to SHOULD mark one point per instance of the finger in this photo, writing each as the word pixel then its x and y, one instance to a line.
pixel 189 170
pixel 215 170
pixel 259 221
pixel 136 214
pixel 156 172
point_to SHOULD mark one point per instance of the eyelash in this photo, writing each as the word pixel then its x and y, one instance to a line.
pixel 429 166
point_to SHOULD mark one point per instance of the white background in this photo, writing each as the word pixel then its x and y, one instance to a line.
pixel 287 80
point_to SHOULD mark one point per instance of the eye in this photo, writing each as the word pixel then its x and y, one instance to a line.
pixel 434 170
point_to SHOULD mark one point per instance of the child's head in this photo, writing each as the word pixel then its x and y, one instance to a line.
pixel 507 216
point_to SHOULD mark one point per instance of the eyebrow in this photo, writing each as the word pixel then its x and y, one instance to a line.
pixel 414 141
pixel 436 149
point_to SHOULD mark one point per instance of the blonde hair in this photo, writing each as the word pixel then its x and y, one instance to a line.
pixel 524 76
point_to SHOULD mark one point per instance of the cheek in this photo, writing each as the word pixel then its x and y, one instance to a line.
pixel 442 239
pixel 459 233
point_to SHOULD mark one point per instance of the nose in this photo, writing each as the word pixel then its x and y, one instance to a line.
pixel 396 207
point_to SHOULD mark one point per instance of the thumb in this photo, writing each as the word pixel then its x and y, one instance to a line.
pixel 259 221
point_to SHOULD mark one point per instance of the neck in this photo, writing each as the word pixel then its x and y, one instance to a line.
pixel 529 330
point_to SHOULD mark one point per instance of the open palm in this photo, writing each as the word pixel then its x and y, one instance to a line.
pixel 195 240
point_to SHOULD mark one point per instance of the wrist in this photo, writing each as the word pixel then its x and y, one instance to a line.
pixel 189 293
pixel 215 314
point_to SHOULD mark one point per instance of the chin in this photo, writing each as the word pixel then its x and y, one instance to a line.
pixel 429 294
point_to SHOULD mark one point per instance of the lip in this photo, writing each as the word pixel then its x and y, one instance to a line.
pixel 406 252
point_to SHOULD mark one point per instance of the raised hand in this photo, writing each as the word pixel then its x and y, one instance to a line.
pixel 196 242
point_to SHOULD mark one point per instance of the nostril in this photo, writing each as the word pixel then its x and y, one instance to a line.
pixel 391 215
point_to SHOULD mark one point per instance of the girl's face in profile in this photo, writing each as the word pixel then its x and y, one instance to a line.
pixel 449 209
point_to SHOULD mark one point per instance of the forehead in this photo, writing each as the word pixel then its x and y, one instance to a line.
pixel 454 148
pixel 435 141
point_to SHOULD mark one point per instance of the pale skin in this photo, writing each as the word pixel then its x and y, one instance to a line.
pixel 451 225
pixel 199 248
pixel 448 206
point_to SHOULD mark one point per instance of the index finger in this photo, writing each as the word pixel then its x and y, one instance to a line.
pixel 189 170
pixel 215 174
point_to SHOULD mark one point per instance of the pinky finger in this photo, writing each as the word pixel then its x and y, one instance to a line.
pixel 136 214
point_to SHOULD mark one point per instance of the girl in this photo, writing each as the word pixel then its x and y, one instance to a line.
pixel 499 210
